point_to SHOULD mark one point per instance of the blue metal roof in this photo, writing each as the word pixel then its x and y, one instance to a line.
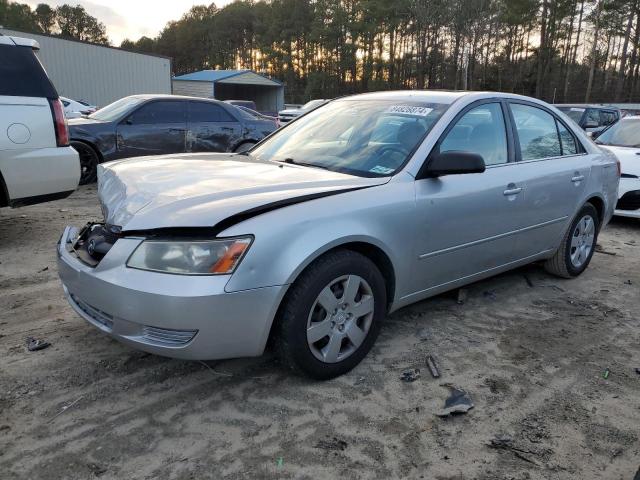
pixel 210 75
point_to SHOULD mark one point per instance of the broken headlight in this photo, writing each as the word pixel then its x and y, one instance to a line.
pixel 207 257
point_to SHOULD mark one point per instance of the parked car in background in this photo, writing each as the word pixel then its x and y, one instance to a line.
pixel 363 206
pixel 76 108
pixel 623 140
pixel 259 115
pixel 591 118
pixel 36 162
pixel 158 124
pixel 243 103
pixel 285 116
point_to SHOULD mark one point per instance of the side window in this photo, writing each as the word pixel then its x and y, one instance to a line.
pixel 592 118
pixel 481 130
pixel 567 140
pixel 536 131
pixel 608 117
pixel 208 112
pixel 158 113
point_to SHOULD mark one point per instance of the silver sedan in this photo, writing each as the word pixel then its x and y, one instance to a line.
pixel 309 240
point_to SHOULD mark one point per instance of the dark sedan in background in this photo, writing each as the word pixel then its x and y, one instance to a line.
pixel 158 124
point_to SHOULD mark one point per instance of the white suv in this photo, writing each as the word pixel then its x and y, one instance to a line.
pixel 36 162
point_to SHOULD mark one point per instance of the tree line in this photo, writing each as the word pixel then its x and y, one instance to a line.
pixel 65 21
pixel 558 50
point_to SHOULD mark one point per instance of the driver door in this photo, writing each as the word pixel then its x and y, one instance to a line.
pixel 155 128
pixel 467 223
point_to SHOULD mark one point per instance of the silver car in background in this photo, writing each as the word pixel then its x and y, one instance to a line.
pixel 310 239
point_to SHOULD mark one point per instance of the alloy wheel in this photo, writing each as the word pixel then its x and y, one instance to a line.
pixel 582 239
pixel 340 318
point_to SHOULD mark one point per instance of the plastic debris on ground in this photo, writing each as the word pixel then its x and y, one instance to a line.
pixel 35 344
pixel 433 368
pixel 410 375
pixel 458 401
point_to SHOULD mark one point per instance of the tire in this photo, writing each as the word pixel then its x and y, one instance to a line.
pixel 243 147
pixel 336 275
pixel 89 161
pixel 578 245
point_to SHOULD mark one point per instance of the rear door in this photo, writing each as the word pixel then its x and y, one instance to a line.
pixel 211 128
pixel 157 127
pixel 553 169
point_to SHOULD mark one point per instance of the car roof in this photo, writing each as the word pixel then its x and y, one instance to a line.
pixel 584 105
pixel 155 96
pixel 441 96
pixel 19 42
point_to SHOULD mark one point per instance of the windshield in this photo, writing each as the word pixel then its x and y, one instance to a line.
pixel 573 113
pixel 625 133
pixel 115 110
pixel 368 138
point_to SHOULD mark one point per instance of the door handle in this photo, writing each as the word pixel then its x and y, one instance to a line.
pixel 176 130
pixel 512 191
pixel 577 178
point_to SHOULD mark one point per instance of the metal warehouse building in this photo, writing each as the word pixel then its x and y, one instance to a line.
pixel 267 94
pixel 97 74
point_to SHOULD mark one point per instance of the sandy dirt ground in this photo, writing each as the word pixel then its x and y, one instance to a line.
pixel 530 349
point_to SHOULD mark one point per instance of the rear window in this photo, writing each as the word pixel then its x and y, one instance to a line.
pixel 208 112
pixel 22 75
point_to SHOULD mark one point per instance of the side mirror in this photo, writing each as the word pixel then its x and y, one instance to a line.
pixel 454 163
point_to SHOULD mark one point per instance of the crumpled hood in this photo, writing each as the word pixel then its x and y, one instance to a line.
pixel 200 190
pixel 629 158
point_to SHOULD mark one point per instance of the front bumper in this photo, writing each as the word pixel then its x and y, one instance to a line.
pixel 179 316
pixel 628 198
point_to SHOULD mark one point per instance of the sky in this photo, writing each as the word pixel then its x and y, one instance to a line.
pixel 132 18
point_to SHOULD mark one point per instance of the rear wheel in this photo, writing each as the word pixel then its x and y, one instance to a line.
pixel 331 315
pixel 88 162
pixel 578 245
pixel 243 147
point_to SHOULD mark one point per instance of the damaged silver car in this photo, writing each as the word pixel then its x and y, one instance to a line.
pixel 310 239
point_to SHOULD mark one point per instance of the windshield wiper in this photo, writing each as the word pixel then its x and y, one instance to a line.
pixel 291 161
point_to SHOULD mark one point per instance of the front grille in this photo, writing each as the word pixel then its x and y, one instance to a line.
pixel 629 201
pixel 99 316
pixel 165 336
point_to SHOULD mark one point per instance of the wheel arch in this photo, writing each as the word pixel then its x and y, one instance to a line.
pixel 599 205
pixel 90 144
pixel 243 142
pixel 369 249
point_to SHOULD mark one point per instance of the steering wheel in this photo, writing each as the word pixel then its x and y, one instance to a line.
pixel 393 148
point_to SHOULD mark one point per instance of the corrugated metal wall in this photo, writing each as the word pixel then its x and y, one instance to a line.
pixel 99 75
pixel 193 88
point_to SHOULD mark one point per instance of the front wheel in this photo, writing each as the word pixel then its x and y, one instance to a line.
pixel 332 315
pixel 578 245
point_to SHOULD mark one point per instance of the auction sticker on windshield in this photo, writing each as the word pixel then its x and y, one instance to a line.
pixel 410 110
pixel 381 169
